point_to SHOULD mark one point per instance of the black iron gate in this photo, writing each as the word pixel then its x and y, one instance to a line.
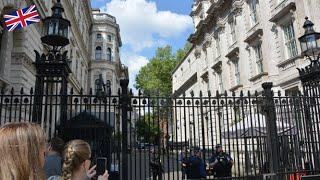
pixel 128 128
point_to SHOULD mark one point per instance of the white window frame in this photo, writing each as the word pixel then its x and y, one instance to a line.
pixel 253 12
pixel 220 81
pixel 218 47
pixel 237 72
pixel 233 36
pixel 259 58
pixel 290 40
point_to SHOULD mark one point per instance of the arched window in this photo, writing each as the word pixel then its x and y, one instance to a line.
pixel 99 36
pixel 98 53
pixel 109 54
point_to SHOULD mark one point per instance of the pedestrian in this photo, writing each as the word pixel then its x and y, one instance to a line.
pixel 155 164
pixel 76 163
pixel 183 162
pixel 22 151
pixel 195 166
pixel 221 163
pixel 53 160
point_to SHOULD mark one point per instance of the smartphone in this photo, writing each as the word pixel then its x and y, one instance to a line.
pixel 101 165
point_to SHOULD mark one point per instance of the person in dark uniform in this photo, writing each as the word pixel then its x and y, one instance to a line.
pixel 221 163
pixel 195 166
pixel 155 164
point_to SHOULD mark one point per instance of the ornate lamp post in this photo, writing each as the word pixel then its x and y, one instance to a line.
pixel 52 68
pixel 310 42
pixel 310 78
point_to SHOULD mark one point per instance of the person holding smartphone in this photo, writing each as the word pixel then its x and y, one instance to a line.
pixel 76 165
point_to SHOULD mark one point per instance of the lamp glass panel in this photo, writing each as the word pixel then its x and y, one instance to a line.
pixel 311 41
pixel 303 46
pixel 50 26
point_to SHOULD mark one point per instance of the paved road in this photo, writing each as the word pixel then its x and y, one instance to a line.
pixel 139 166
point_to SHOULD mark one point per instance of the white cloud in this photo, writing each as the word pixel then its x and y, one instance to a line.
pixel 143 25
pixel 134 62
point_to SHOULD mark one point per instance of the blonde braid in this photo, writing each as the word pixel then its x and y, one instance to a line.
pixel 68 165
pixel 77 151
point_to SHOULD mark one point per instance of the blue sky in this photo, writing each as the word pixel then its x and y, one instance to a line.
pixel 146 25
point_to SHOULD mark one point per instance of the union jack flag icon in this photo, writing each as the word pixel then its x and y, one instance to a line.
pixel 21 18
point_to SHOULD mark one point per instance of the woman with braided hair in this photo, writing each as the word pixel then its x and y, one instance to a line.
pixel 77 162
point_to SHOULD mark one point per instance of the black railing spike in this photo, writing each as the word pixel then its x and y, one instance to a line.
pixel 225 93
pixel 109 92
pixel 272 93
pixel 256 93
pixel 31 91
pixel 184 94
pixel 131 92
pixel 81 91
pixel 90 91
pixel 279 93
pixel 299 93
pixel 21 91
pixel 43 57
pixel 2 91
pixel 249 94
pixel 233 93
pixel 119 91
pixel 217 93
pixel 71 91
pixel 192 94
pixel 241 93
pixel 286 93
pixel 12 91
pixel 209 93
pixel 200 93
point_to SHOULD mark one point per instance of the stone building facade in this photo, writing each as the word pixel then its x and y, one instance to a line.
pixel 237 46
pixel 17 56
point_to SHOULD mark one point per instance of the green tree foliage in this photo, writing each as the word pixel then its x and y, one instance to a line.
pixel 155 77
pixel 147 129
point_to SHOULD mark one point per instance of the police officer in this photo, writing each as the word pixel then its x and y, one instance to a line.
pixel 155 164
pixel 196 167
pixel 221 163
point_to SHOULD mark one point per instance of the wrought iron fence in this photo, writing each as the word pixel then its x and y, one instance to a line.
pixel 260 131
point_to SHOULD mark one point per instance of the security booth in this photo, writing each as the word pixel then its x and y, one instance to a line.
pixel 96 129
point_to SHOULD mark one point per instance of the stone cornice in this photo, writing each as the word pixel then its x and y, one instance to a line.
pixel 23 59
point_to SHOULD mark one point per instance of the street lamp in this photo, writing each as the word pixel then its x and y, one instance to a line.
pixel 56 28
pixel 310 42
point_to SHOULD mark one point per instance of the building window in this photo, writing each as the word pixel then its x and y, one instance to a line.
pixel 236 72
pixel 109 38
pixel 220 81
pixel 99 36
pixel 98 52
pixel 233 30
pixel 259 58
pixel 98 85
pixel 253 12
pixel 290 40
pixel 218 45
pixel 109 54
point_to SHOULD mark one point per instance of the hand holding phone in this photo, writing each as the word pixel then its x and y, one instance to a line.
pixel 101 166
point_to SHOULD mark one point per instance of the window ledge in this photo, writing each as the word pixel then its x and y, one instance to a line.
pixel 258 76
pixel 284 63
pixel 234 88
pixel 254 33
pixel 233 51
pixel 282 9
pixel 216 63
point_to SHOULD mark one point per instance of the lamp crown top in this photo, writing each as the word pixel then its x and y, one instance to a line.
pixel 307 23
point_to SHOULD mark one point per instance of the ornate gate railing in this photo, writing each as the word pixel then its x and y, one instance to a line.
pixel 129 128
